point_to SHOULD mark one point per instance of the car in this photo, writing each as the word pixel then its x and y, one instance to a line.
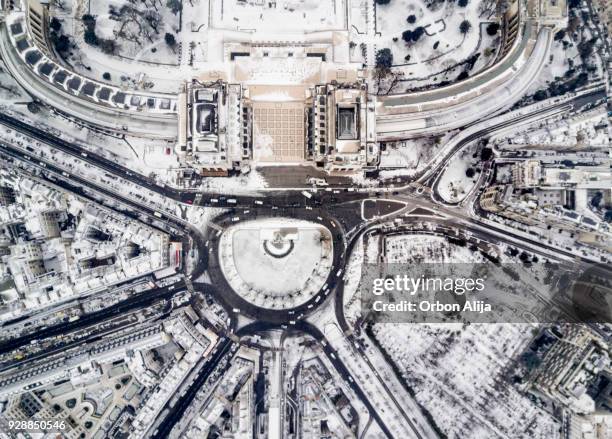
pixel 318 181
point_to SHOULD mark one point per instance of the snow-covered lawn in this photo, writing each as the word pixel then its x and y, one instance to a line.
pixel 416 248
pixel 10 90
pixel 406 154
pixel 406 158
pixel 352 293
pixel 293 274
pixel 454 184
pixel 440 52
pixel 250 182
pixel 141 57
pixel 459 374
pixel 137 27
pixel 426 249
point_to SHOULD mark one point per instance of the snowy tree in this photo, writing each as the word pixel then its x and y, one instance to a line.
pixel 175 6
pixel 465 27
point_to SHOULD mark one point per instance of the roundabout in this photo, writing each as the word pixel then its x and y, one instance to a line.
pixel 274 264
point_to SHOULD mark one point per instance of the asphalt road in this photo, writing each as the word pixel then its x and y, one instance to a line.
pixel 335 209
pixel 175 412
pixel 233 301
pixel 332 356
pixel 214 199
pixel 139 301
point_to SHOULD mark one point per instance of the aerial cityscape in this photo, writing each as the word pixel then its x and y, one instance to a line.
pixel 305 219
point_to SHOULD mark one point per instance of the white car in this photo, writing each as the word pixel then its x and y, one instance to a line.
pixel 318 181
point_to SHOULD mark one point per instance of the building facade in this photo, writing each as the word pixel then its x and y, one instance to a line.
pixel 38 22
pixel 226 128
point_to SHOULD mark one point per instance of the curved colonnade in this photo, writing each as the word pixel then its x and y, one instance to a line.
pixel 155 114
pixel 109 107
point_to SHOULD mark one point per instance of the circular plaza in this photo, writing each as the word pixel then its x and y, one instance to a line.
pixel 276 263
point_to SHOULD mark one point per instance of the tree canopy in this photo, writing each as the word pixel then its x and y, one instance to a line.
pixel 465 27
pixel 492 29
pixel 384 58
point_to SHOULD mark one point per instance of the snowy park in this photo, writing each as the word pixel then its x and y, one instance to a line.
pixel 460 176
pixel 123 42
pixel 436 42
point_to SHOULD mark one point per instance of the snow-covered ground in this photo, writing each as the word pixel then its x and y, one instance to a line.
pixel 459 373
pixel 399 249
pixel 138 30
pixel 567 61
pixel 10 91
pixel 128 23
pixel 454 184
pixel 251 182
pixel 276 264
pixel 286 16
pixel 406 154
pixel 352 293
pixel 439 55
pixel 406 157
pixel 589 129
pixel 428 249
pixel 561 56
